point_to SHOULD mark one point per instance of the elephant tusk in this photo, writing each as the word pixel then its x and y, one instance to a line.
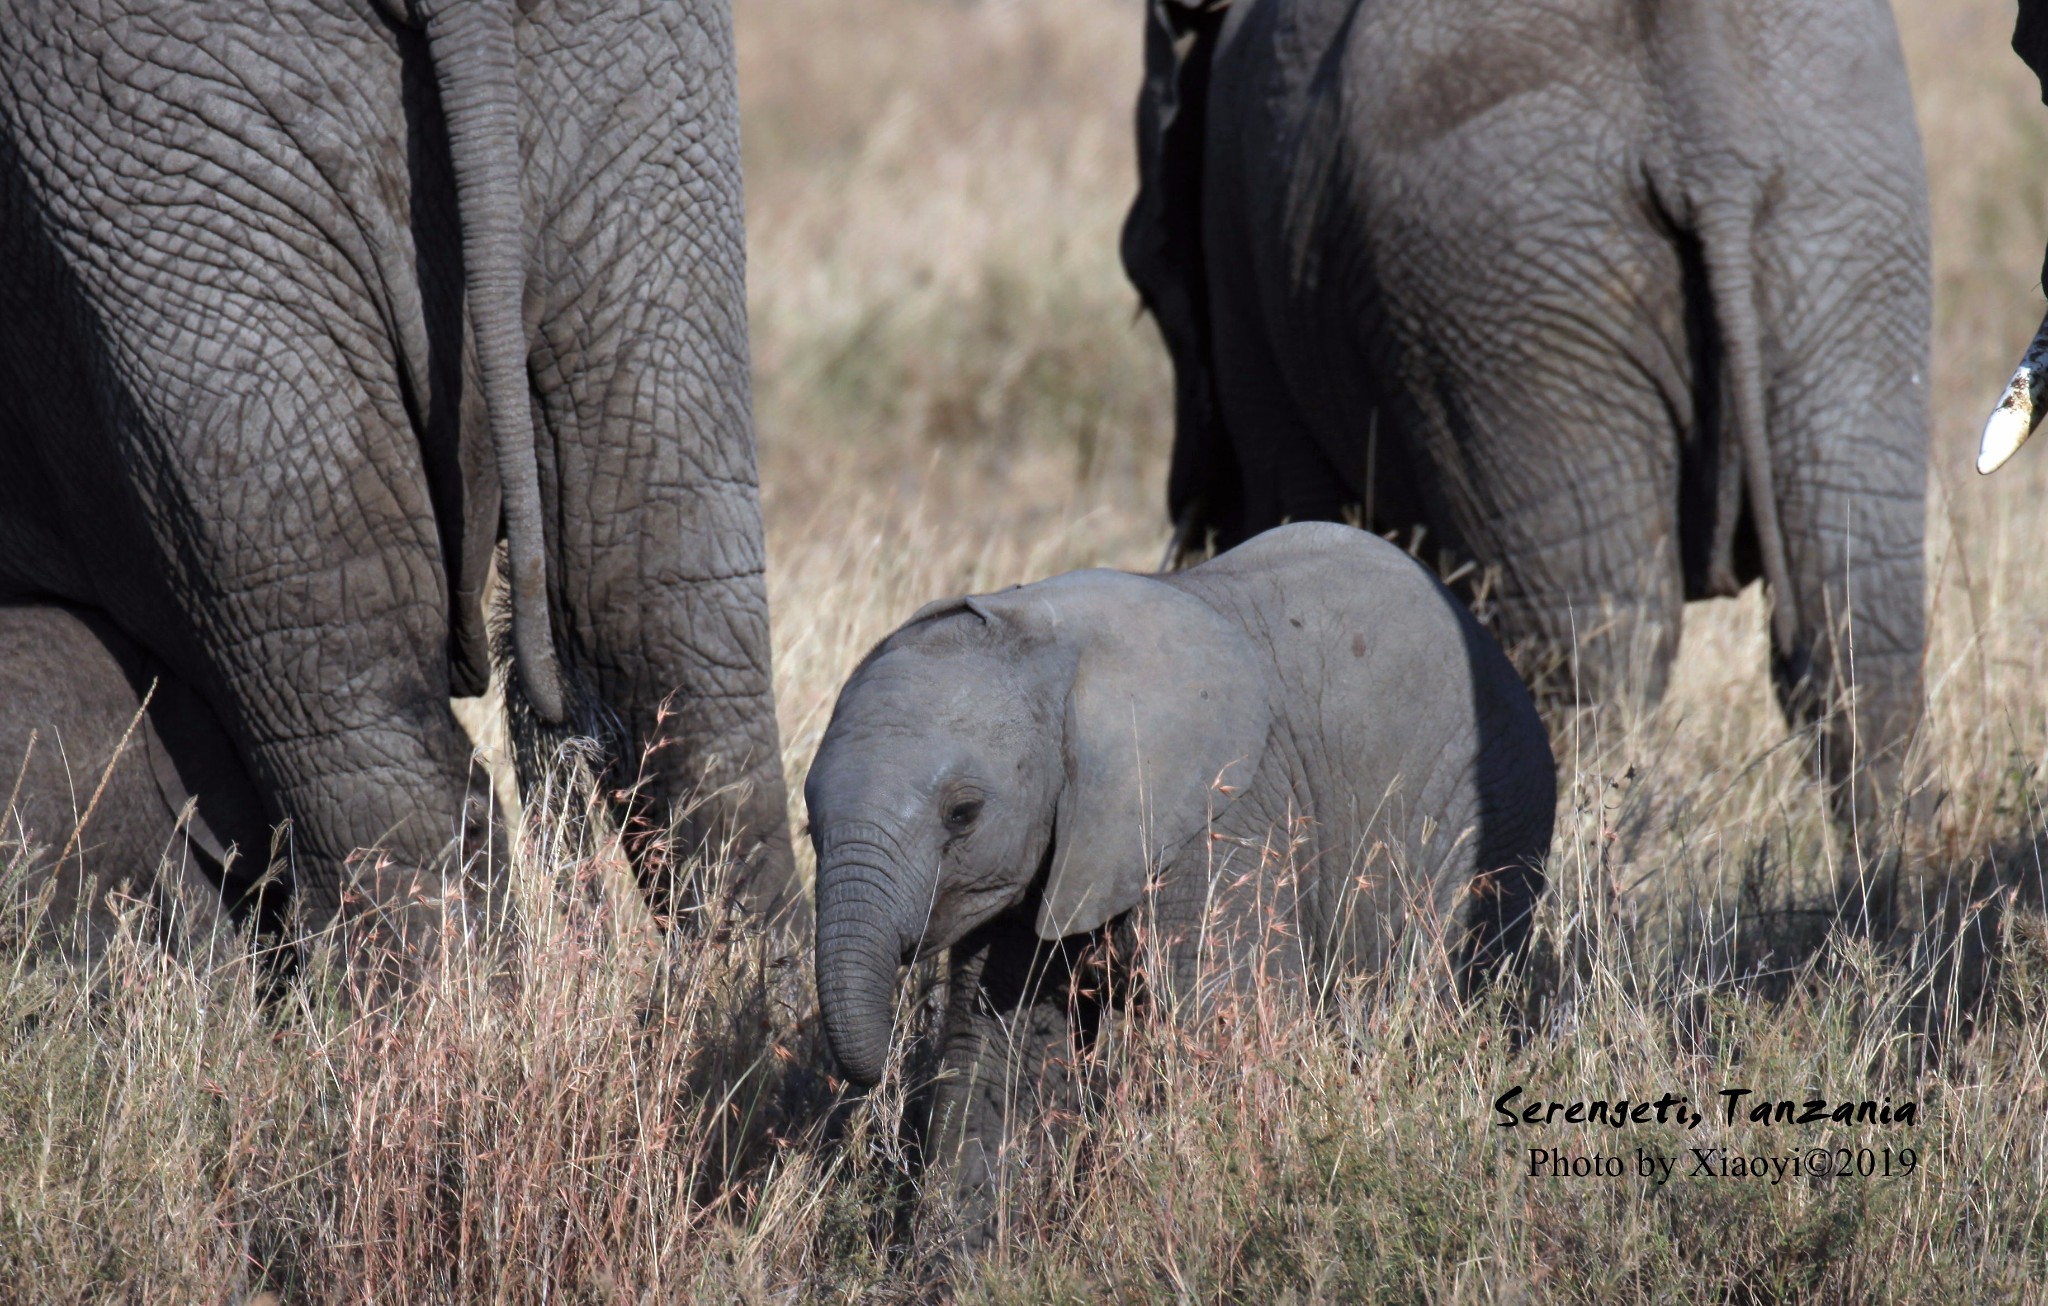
pixel 2019 409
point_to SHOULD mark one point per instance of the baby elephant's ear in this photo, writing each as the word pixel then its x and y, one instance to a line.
pixel 1166 721
pixel 947 607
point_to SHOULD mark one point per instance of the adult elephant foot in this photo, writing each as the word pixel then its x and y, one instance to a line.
pixel 1882 804
pixel 709 840
pixel 398 922
pixel 1851 672
pixel 1585 640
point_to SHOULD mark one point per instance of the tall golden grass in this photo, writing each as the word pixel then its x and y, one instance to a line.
pixel 954 393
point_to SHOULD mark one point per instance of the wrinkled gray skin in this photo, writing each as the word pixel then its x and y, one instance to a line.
pixel 1003 775
pixel 95 793
pixel 305 305
pixel 1628 300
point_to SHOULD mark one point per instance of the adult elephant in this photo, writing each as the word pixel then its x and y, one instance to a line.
pixel 1626 301
pixel 304 306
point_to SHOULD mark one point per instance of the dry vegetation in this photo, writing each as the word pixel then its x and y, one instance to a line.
pixel 953 395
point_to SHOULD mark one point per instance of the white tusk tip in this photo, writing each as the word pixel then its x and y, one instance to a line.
pixel 2007 430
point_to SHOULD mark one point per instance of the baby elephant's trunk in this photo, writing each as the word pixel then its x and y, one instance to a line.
pixel 861 942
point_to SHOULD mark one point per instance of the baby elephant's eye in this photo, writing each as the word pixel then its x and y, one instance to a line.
pixel 962 814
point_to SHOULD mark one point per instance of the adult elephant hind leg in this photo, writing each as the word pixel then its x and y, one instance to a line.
pixel 316 631
pixel 1847 304
pixel 1587 594
pixel 1815 237
pixel 1853 671
pixel 391 837
pixel 1262 457
pixel 1256 449
pixel 1598 636
pixel 237 464
pixel 1557 455
pixel 640 368
pixel 1162 254
pixel 1855 503
pixel 1537 348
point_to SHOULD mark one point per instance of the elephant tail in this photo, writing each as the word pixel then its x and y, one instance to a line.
pixel 1723 153
pixel 1727 239
pixel 472 47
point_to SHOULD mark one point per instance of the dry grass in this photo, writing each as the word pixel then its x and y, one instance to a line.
pixel 954 395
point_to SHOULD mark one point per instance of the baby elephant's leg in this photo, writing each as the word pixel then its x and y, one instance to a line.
pixel 1008 1089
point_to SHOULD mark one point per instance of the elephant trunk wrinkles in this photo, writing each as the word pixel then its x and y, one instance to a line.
pixel 475 60
pixel 860 947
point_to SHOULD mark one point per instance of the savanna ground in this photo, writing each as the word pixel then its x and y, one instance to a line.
pixel 954 394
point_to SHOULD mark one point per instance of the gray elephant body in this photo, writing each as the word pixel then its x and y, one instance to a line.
pixel 1398 747
pixel 1275 763
pixel 1630 302
pixel 299 301
pixel 99 804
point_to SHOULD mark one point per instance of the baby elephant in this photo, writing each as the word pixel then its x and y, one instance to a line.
pixel 1273 762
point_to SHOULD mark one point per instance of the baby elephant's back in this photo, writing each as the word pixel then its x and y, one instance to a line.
pixel 1418 751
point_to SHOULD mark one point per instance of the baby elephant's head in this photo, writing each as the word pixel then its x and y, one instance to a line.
pixel 1035 748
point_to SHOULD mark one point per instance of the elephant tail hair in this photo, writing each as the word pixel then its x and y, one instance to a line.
pixel 1727 239
pixel 471 43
